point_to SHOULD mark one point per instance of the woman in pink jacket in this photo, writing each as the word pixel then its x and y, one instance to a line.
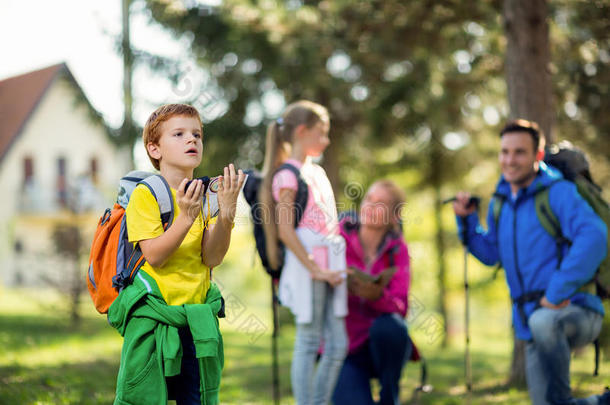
pixel 379 344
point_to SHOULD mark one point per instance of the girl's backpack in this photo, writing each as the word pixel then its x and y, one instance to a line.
pixel 251 194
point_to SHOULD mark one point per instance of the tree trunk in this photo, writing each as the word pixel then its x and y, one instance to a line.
pixel 331 162
pixel 528 75
pixel 127 134
pixel 77 288
pixel 338 130
pixel 517 367
pixel 436 162
pixel 442 269
pixel 528 82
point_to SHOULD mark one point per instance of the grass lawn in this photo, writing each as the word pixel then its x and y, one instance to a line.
pixel 45 360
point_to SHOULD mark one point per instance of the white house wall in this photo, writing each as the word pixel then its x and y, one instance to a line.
pixel 59 127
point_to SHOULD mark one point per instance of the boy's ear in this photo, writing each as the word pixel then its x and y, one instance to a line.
pixel 153 150
pixel 540 155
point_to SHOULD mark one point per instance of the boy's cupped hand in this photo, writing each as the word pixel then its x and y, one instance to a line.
pixel 189 199
pixel 229 186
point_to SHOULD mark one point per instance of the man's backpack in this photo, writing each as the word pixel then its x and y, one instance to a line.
pixel 251 194
pixel 114 261
pixel 574 166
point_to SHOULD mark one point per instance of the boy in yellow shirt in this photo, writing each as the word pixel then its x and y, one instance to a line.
pixel 179 258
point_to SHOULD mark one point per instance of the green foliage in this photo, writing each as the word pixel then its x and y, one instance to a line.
pixel 386 70
pixel 581 50
pixel 397 77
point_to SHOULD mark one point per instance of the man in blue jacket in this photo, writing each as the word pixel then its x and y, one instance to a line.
pixel 550 309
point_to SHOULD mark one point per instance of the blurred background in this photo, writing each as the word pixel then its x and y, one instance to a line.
pixel 417 92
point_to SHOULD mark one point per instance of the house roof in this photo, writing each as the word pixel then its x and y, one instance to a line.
pixel 19 97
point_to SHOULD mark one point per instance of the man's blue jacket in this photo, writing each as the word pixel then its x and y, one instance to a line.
pixel 528 253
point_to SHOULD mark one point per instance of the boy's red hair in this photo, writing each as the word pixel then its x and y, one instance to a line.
pixel 152 129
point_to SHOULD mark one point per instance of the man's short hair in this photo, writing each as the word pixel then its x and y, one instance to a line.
pixel 531 127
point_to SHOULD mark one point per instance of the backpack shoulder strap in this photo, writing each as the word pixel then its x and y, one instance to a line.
pixel 549 220
pixel 134 258
pixel 545 214
pixel 498 202
pixel 160 189
pixel 392 256
pixel 302 191
pixel 348 220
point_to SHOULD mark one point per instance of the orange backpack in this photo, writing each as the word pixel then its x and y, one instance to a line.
pixel 114 261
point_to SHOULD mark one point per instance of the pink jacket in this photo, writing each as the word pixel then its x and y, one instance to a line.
pixel 362 312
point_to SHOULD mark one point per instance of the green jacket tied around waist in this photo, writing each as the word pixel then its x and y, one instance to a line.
pixel 152 349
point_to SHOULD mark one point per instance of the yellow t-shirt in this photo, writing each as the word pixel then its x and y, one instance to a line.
pixel 183 279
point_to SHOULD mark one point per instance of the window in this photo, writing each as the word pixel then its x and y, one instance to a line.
pixel 62 184
pixel 93 169
pixel 28 170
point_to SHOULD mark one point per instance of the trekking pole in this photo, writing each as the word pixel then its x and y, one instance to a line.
pixel 275 371
pixel 474 200
pixel 467 365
